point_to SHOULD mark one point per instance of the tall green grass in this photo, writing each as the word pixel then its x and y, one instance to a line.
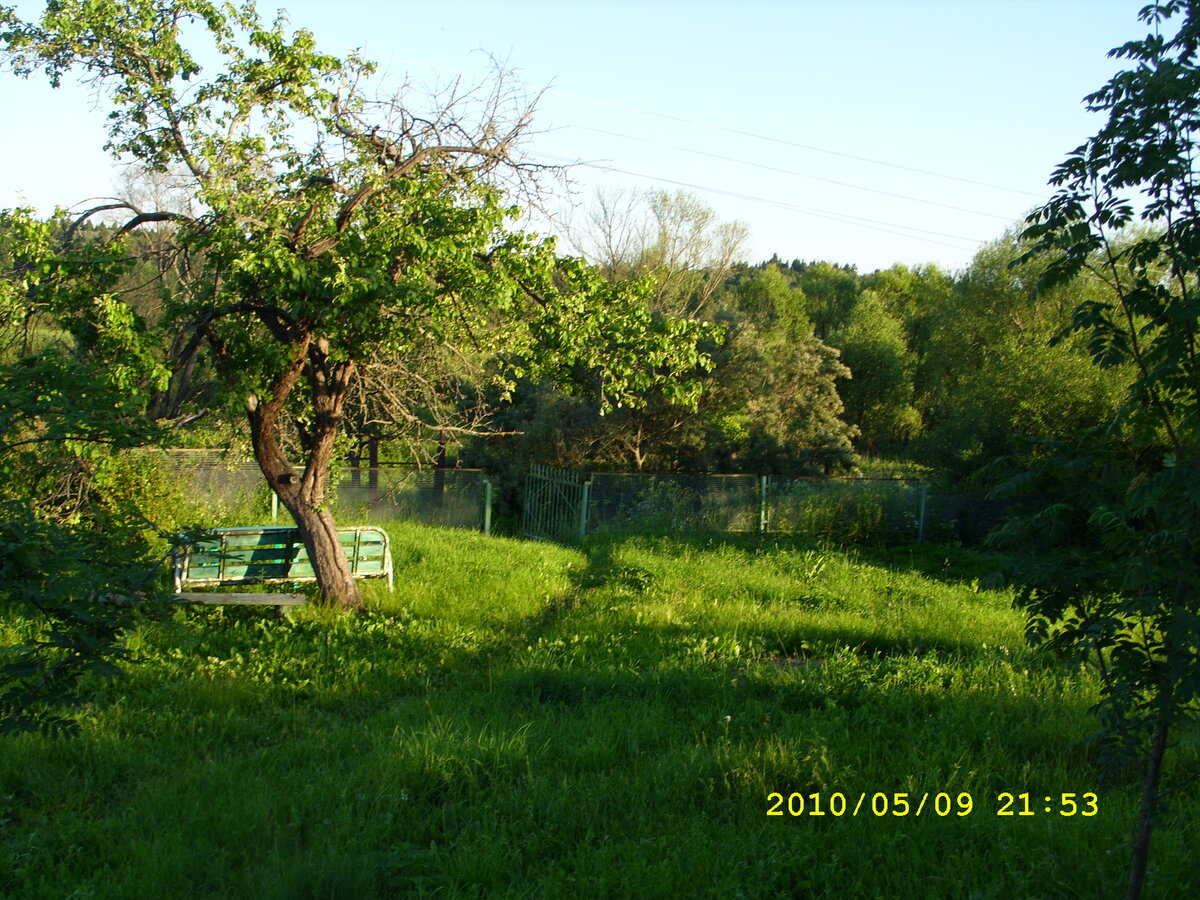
pixel 525 720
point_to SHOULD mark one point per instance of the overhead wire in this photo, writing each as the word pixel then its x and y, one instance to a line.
pixel 894 228
pixel 810 147
pixel 792 172
pixel 750 134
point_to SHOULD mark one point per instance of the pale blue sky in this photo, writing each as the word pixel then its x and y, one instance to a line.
pixel 802 119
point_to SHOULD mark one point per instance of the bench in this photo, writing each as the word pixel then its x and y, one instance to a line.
pixel 270 554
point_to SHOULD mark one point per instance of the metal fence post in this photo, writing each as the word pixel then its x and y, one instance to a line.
pixel 487 506
pixel 274 506
pixel 584 502
pixel 763 481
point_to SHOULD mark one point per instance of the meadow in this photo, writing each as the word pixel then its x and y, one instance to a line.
pixel 527 720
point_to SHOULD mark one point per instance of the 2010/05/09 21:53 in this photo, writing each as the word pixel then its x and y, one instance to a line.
pixel 903 803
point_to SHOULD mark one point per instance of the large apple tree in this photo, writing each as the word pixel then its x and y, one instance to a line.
pixel 334 229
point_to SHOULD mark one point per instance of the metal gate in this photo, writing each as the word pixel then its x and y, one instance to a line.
pixel 556 505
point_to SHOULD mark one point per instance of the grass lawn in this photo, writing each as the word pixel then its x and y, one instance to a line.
pixel 525 720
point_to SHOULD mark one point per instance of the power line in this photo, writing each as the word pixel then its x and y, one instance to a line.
pixel 894 228
pixel 750 134
pixel 809 147
pixel 792 172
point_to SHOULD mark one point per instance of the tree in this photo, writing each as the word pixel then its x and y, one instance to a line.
pixel 334 230
pixel 789 407
pixel 75 547
pixel 768 402
pixel 1122 583
pixel 831 291
pixel 767 298
pixel 673 238
pixel 879 395
pixel 999 360
pixel 917 296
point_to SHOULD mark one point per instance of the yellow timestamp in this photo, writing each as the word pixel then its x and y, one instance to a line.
pixel 900 804
pixel 1064 804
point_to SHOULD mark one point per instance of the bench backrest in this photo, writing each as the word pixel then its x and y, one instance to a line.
pixel 274 553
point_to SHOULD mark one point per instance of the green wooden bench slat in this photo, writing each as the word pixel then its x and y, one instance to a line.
pixel 261 539
pixel 254 572
pixel 275 554
pixel 245 557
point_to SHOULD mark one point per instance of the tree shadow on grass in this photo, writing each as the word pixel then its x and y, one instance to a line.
pixel 864 634
pixel 946 563
pixel 369 661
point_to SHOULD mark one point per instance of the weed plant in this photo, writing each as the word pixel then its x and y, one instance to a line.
pixel 524 720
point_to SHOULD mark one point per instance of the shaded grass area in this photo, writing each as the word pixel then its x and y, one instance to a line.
pixel 524 720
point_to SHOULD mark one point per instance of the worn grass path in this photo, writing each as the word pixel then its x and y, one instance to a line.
pixel 523 720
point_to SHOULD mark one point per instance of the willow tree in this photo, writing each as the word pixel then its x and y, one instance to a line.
pixel 335 230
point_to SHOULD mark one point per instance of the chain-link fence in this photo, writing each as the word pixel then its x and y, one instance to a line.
pixel 215 487
pixel 853 510
pixel 841 509
pixel 453 498
pixel 673 503
pixel 218 487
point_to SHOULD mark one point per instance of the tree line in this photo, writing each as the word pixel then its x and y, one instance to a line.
pixel 817 369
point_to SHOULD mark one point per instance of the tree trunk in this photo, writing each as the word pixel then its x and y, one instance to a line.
pixel 373 463
pixel 304 495
pixel 329 562
pixel 1149 806
pixel 439 473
